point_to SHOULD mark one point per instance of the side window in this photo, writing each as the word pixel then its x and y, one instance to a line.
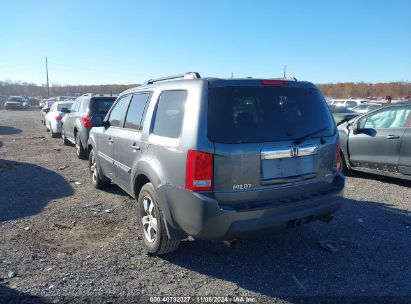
pixel 84 105
pixel 77 109
pixel 119 111
pixel 74 106
pixel 170 112
pixel 394 117
pixel 135 112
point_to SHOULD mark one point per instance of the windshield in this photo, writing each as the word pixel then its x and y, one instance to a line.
pixel 19 99
pixel 263 114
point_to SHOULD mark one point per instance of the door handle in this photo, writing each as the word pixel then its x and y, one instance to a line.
pixel 392 136
pixel 135 147
pixel 110 141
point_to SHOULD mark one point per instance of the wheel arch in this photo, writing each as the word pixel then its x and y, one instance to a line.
pixel 147 174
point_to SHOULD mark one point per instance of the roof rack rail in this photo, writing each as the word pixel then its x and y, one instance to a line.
pixel 188 75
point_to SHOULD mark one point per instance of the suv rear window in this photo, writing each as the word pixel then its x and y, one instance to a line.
pixel 101 105
pixel 264 114
pixel 64 105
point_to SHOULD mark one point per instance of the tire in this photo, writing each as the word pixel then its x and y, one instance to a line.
pixel 52 134
pixel 80 152
pixel 153 231
pixel 345 169
pixel 63 137
pixel 95 176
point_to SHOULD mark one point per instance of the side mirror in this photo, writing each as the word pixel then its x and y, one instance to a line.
pixel 46 110
pixel 355 127
pixel 105 124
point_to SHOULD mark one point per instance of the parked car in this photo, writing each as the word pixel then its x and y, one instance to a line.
pixel 341 114
pixel 348 103
pixel 86 112
pixel 45 109
pixel 43 102
pixel 55 115
pixel 366 107
pixel 218 159
pixel 16 103
pixel 379 142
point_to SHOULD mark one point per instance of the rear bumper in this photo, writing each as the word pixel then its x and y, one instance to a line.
pixel 56 126
pixel 202 217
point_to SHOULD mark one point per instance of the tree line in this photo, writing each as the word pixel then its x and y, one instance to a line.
pixel 334 90
pixel 8 88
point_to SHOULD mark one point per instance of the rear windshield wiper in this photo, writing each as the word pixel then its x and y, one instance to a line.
pixel 303 138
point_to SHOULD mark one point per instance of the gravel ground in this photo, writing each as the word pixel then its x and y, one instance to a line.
pixel 60 239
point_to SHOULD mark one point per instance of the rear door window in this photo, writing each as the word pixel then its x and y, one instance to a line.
pixel 169 114
pixel 135 112
pixel 264 114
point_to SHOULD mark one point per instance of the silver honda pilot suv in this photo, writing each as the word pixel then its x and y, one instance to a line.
pixel 219 159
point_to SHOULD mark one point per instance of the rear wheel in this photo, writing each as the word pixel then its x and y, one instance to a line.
pixel 64 138
pixel 345 169
pixel 52 134
pixel 96 179
pixel 81 153
pixel 151 223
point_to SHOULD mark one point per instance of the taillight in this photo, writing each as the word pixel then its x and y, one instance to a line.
pixel 199 171
pixel 274 82
pixel 87 121
pixel 58 118
pixel 338 163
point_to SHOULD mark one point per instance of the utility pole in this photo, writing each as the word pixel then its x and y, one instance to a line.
pixel 47 74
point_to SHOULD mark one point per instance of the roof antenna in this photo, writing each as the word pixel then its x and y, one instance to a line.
pixel 285 71
pixel 232 75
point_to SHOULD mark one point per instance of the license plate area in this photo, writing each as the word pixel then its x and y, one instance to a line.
pixel 287 164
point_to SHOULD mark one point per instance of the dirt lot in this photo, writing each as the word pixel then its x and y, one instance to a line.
pixel 59 237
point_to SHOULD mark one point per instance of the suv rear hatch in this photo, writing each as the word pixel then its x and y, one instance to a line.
pixel 269 135
pixel 98 109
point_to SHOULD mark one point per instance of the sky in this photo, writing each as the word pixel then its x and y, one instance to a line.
pixel 128 42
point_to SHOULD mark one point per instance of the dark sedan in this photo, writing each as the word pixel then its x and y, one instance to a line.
pixel 379 142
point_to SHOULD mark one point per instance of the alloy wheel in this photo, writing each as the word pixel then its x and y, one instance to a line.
pixel 149 219
pixel 77 144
